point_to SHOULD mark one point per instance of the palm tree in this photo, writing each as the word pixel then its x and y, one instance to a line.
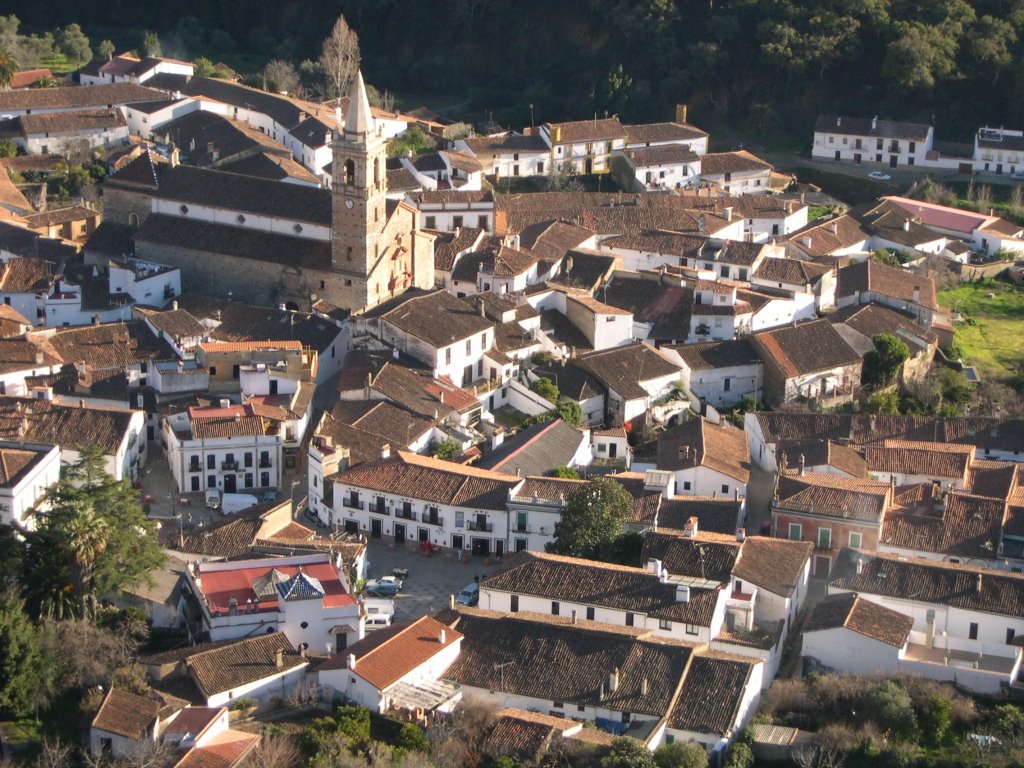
pixel 8 68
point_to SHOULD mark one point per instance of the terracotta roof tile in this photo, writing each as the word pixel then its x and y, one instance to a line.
pixel 385 656
pixel 246 661
pixel 851 611
pixel 777 565
pixel 720 447
pixel 833 496
pixel 806 348
pixel 712 693
pixel 127 714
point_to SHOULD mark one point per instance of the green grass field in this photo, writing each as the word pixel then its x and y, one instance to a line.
pixel 992 336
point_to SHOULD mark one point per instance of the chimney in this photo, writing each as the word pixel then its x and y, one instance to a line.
pixel 741 535
pixel 681 113
pixel 385 451
pixel 860 566
pixel 573 619
pixel 613 680
pixel 802 463
pixel 839 122
pixel 917 294
pixel 727 212
pixel 654 566
pixel 682 593
pixel 691 527
pixel 95 319
pixel 302 650
pixel 644 687
pixel 807 242
pixel 906 225
pixel 929 631
pixel 874 123
pixel 442 637
pixel 351 661
pixel 39 357
pixel 977 584
pixel 174 305
pixel 279 658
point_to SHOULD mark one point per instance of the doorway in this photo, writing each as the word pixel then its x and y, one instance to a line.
pixel 457 541
pixel 423 534
pixel 821 566
pixel 230 483
pixel 352 526
pixel 399 533
pixel 375 528
pixel 482 547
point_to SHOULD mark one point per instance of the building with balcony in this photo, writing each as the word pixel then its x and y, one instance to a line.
pixel 27 471
pixel 583 146
pixel 408 498
pixel 228 447
pixel 871 141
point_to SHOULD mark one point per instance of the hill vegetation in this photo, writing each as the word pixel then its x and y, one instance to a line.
pixel 767 66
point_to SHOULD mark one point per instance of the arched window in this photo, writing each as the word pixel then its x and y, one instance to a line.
pixel 350 172
pixel 348 253
pixel 133 220
pixel 376 171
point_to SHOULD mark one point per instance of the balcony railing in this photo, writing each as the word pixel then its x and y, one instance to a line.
pixel 195 468
pixel 264 463
pixel 354 504
pixel 483 527
pixel 404 515
pixel 431 519
pixel 229 466
pixel 379 509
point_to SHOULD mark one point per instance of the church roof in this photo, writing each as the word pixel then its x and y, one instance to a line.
pixel 359 120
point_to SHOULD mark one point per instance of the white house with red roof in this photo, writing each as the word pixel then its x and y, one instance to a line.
pixel 397 668
pixel 986 233
pixel 307 597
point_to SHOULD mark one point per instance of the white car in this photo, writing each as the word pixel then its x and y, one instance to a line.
pixel 879 176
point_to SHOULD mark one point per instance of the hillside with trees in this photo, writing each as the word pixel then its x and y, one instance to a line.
pixel 766 65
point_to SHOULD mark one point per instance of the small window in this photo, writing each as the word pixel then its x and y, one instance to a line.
pixel 554 607
pixel 513 606
pixel 240 219
pixel 580 708
pixel 590 613
pixel 1010 634
pixel 855 540
pixel 725 488
pixel 304 625
pixel 691 629
pixel 972 632
pixel 297 229
pixel 431 222
pixel 629 619
pixel 796 532
pixel 184 209
pixel 686 485
pixel 664 624
pixel 558 704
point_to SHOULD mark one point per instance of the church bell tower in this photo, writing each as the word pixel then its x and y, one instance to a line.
pixel 359 194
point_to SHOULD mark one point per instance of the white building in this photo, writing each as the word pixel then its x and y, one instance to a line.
pixel 963 619
pixel 509 154
pixel 28 472
pixel 882 142
pixel 721 373
pixel 227 447
pixel 706 458
pixel 396 668
pixel 583 146
pixel 305 597
pixel 452 209
pixel 411 498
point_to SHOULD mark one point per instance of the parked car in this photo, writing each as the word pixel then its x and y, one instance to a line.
pixel 270 496
pixel 386 586
pixel 470 595
pixel 1017 175
pixel 879 176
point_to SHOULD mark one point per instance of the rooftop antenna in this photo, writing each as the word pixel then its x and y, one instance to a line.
pixel 501 667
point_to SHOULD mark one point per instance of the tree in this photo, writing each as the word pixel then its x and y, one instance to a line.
pixel 546 389
pixel 592 518
pixel 890 707
pixel 275 750
pixel 740 756
pixel 883 363
pixel 884 403
pixel 150 45
pixel 936 719
pixel 566 473
pixel 8 68
pixel 203 67
pixel 447 449
pixel 99 535
pixel 681 755
pixel 627 752
pixel 569 411
pixel 106 49
pixel 21 657
pixel 339 58
pixel 412 739
pixel 280 76
pixel 73 43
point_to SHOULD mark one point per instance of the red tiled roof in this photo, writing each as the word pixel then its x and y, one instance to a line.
pixel 219 586
pixel 387 655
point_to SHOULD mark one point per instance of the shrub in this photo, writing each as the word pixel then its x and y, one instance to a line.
pixel 682 755
pixel 889 706
pixel 740 756
pixel 546 389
